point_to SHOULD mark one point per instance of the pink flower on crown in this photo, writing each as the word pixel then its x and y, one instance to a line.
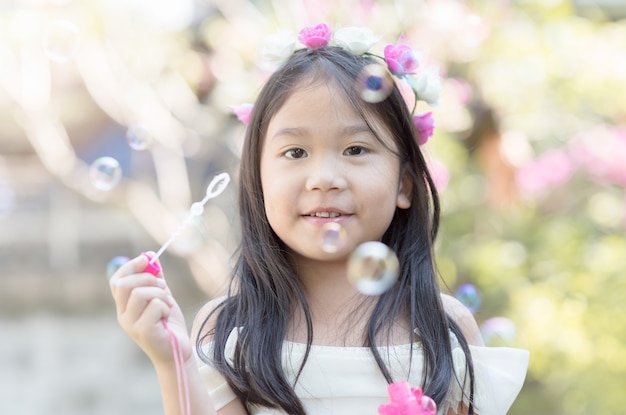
pixel 242 112
pixel 425 126
pixel 315 36
pixel 401 59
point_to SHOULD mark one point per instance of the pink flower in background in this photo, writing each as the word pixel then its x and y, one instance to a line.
pixel 425 126
pixel 401 59
pixel 601 152
pixel 551 169
pixel 243 112
pixel 315 36
pixel 439 172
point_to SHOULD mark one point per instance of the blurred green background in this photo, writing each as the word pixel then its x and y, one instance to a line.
pixel 529 154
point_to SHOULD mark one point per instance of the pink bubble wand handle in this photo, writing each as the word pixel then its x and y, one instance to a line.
pixel 407 401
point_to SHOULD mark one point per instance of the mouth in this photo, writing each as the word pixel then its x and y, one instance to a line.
pixel 324 214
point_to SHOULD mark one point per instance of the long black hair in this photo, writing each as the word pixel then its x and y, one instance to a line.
pixel 265 292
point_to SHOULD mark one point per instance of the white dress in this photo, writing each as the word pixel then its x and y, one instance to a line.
pixel 347 380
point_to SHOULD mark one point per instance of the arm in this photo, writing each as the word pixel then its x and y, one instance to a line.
pixel 467 323
pixel 463 318
pixel 234 407
pixel 142 301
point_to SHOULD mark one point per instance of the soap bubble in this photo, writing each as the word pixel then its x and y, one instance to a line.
pixel 60 41
pixel 469 296
pixel 139 137
pixel 428 406
pixel 105 173
pixel 374 83
pixel 498 331
pixel 115 264
pixel 373 268
pixel 333 237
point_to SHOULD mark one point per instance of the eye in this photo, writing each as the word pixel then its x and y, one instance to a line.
pixel 295 153
pixel 355 151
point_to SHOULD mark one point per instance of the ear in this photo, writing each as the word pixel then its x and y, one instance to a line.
pixel 405 191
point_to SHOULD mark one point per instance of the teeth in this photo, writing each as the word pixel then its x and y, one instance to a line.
pixel 326 214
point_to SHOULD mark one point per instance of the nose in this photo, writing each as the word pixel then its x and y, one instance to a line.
pixel 326 173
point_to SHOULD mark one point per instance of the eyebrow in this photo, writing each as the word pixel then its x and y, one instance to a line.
pixel 303 132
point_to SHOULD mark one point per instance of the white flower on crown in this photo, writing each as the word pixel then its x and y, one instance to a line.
pixel 427 84
pixel 278 47
pixel 357 40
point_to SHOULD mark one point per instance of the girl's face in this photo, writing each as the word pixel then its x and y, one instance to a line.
pixel 321 163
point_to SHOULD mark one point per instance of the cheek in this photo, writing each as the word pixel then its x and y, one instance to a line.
pixel 271 192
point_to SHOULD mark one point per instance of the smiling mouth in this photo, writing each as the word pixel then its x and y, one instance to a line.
pixel 324 214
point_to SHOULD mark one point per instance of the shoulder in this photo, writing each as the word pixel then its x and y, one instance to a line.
pixel 200 322
pixel 463 318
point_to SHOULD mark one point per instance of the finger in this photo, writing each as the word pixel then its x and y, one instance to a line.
pixel 123 288
pixel 139 300
pixel 134 266
pixel 155 311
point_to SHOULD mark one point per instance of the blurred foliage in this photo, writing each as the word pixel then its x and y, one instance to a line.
pixel 550 255
pixel 530 132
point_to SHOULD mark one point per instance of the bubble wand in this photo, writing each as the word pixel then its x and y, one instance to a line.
pixel 216 187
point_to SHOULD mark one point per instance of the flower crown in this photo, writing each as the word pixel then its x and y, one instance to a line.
pixel 401 61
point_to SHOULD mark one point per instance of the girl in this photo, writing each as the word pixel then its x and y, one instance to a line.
pixel 293 335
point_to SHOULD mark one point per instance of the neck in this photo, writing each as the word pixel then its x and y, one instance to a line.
pixel 326 282
pixel 337 308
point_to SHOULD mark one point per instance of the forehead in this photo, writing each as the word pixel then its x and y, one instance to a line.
pixel 320 99
pixel 325 104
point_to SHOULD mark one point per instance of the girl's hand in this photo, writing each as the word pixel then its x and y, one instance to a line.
pixel 143 302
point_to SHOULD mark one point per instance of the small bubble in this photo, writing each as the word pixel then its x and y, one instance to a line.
pixel 428 406
pixel 373 268
pixel 374 83
pixel 498 331
pixel 61 41
pixel 333 237
pixel 139 137
pixel 105 173
pixel 196 209
pixel 469 296
pixel 115 264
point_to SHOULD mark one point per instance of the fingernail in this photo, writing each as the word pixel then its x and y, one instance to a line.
pixel 160 282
